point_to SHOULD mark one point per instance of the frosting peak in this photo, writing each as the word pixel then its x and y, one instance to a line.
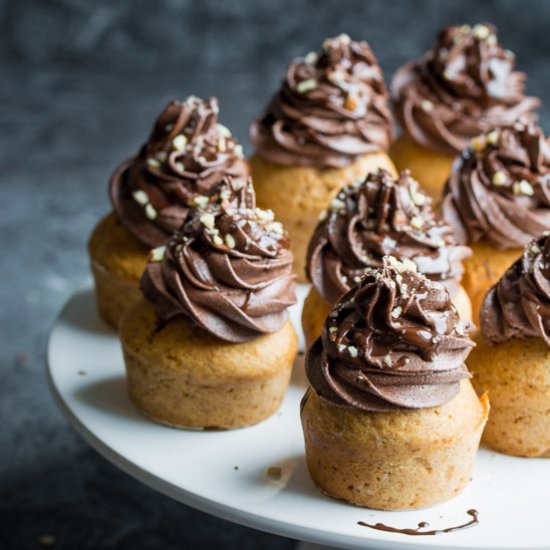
pixel 374 217
pixel 331 108
pixel 464 86
pixel 518 306
pixel 394 342
pixel 499 188
pixel 182 164
pixel 228 270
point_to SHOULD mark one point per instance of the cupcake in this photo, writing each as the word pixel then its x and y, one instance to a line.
pixel 512 358
pixel 391 420
pixel 211 345
pixel 328 125
pixel 464 86
pixel 186 157
pixel 497 199
pixel 373 217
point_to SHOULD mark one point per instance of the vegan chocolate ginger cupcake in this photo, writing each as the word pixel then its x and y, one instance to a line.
pixel 464 86
pixel 512 358
pixel 328 125
pixel 369 219
pixel 183 163
pixel 497 199
pixel 211 346
pixel 391 420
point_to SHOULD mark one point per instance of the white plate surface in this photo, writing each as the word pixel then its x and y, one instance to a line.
pixel 224 473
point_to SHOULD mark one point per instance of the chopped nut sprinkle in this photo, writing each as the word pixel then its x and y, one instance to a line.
pixel 153 163
pixel 201 201
pixel 161 156
pixel 492 137
pixel 523 187
pixel 306 86
pixel 208 220
pixel 230 241
pixel 140 197
pixel 396 312
pixel 499 178
pixel 311 58
pixel 179 142
pixel 427 105
pixel 217 240
pixel 150 211
pixel 157 254
pixel 353 351
pixel 481 32
pixel 351 102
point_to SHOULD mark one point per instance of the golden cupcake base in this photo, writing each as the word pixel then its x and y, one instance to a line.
pixel 430 168
pixel 393 460
pixel 182 376
pixel 483 269
pixel 298 194
pixel 516 374
pixel 117 260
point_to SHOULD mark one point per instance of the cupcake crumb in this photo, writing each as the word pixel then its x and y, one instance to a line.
pixel 274 472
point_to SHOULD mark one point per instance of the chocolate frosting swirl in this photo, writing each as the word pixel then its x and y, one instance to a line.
pixel 499 188
pixel 518 306
pixel 394 342
pixel 330 109
pixel 464 86
pixel 376 217
pixel 228 271
pixel 182 164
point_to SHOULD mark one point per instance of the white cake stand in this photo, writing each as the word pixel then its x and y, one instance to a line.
pixel 225 473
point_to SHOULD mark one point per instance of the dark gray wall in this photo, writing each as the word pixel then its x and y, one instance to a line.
pixel 80 84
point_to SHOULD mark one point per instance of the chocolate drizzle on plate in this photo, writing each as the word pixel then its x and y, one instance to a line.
pixel 422 525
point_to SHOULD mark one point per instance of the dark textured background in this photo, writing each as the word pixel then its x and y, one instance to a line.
pixel 80 85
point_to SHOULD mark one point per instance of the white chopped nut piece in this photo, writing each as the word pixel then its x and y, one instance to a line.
pixel 222 144
pixel 499 178
pixel 465 29
pixel 387 360
pixel 306 85
pixel 332 330
pixel 439 242
pixel 201 201
pixel 311 58
pixel 492 40
pixel 523 187
pixel 229 241
pixel 510 54
pixel 481 32
pixel 353 351
pixel 275 227
pixel 217 240
pixel 161 156
pixel 238 149
pixel 418 198
pixel 264 215
pixel 341 348
pixel 416 222
pixel 396 312
pixel 337 76
pixel 323 215
pixel 225 194
pixel 448 75
pixel 215 108
pixel 179 142
pixel 223 130
pixel 534 248
pixel 337 204
pixel 157 254
pixel 344 279
pixel 153 163
pixel 150 211
pixel 427 105
pixel 545 233
pixel 357 279
pixel 140 197
pixel 208 220
pixel 179 166
pixel 478 143
pixel 409 265
pixel 344 38
pixel 492 137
